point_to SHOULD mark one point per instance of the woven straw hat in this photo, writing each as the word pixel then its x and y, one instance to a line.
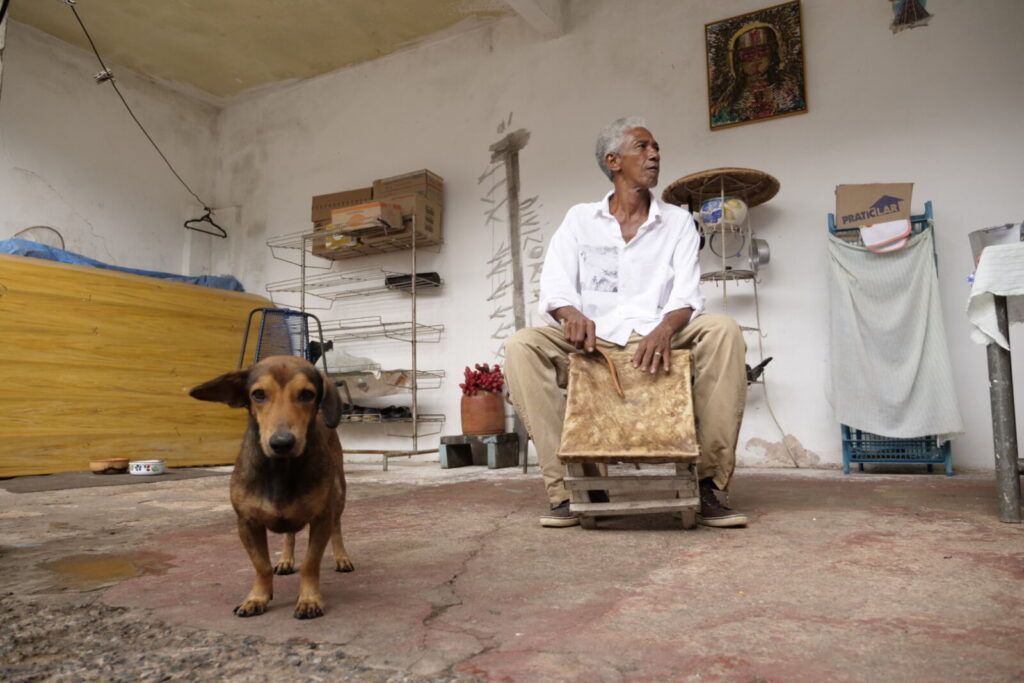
pixel 752 186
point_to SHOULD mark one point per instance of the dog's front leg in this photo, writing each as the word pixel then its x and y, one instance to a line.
pixel 342 563
pixel 254 538
pixel 310 604
pixel 286 565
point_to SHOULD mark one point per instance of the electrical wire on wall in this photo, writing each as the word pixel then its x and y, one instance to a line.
pixel 107 76
pixel 764 382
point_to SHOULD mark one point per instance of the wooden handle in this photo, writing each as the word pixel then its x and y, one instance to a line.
pixel 611 369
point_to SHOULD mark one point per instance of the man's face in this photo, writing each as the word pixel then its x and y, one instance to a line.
pixel 639 159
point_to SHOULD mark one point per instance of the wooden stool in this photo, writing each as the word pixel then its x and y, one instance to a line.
pixel 649 421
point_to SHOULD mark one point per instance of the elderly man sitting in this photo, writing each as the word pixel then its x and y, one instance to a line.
pixel 624 272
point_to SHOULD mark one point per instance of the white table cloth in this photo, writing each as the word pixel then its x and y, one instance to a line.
pixel 1000 273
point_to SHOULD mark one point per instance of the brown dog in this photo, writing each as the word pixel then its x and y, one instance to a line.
pixel 288 474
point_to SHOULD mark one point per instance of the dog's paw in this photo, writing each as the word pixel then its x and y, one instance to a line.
pixel 344 565
pixel 285 567
pixel 307 608
pixel 251 607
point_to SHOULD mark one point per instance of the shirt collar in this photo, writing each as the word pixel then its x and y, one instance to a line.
pixel 653 214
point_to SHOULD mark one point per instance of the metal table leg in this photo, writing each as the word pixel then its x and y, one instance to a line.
pixel 1004 426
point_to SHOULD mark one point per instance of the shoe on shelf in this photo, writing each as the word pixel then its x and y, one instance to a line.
pixel 713 513
pixel 560 516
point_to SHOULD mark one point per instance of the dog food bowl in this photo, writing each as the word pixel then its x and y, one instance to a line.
pixel 146 467
pixel 109 465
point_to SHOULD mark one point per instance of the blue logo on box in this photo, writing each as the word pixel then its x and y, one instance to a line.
pixel 885 205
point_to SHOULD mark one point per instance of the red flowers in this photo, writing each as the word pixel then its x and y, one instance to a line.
pixel 484 378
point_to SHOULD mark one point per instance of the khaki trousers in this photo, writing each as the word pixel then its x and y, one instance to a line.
pixel 537 371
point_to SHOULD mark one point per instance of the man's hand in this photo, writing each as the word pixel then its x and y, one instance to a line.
pixel 579 330
pixel 655 349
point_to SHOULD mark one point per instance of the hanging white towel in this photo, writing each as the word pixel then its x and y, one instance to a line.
pixel 890 371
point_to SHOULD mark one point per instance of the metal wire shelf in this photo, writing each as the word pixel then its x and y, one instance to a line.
pixel 401 239
pixel 336 285
pixel 375 418
pixel 728 275
pixel 366 329
pixel 282 245
pixel 329 285
pixel 400 379
pixel 358 369
pixel 723 226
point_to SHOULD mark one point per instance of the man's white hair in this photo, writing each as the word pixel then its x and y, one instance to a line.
pixel 612 137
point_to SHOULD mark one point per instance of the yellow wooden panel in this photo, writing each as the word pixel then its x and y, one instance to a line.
pixel 98 364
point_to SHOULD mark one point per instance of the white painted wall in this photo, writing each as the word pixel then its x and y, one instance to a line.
pixel 72 158
pixel 939 106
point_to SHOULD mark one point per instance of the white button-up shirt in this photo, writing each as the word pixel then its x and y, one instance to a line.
pixel 622 286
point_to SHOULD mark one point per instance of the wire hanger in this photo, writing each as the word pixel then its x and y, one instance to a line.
pixel 206 218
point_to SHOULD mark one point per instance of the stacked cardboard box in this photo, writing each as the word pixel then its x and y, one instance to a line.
pixel 420 198
pixel 325 203
pixel 365 220
pixel 423 182
pixel 333 242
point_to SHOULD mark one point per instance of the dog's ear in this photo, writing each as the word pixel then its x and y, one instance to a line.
pixel 330 403
pixel 228 388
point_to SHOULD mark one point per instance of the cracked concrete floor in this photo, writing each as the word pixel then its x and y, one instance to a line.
pixel 862 578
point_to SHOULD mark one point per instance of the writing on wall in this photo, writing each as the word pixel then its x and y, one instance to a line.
pixel 517 251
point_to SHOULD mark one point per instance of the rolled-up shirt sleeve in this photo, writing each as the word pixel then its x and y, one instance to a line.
pixel 559 278
pixel 685 291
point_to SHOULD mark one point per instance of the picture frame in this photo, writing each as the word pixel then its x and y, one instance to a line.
pixel 755 66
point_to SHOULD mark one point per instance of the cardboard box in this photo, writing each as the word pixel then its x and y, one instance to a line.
pixel 323 204
pixel 859 205
pixel 370 218
pixel 419 210
pixel 423 182
pixel 332 242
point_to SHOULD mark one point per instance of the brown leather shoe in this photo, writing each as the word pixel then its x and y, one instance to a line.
pixel 713 513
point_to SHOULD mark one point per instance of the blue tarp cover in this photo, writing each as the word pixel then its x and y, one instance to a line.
pixel 35 250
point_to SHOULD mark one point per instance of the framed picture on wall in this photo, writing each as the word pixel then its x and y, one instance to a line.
pixel 756 66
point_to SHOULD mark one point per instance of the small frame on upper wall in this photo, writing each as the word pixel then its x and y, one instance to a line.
pixel 909 14
pixel 756 66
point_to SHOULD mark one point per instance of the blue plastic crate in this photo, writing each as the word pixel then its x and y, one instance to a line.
pixel 861 447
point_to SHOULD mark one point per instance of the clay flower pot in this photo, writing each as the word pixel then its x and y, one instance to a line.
pixel 483 413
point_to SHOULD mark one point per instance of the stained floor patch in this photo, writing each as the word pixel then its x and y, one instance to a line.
pixel 86 572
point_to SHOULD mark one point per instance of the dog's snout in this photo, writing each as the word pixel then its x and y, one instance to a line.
pixel 282 442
